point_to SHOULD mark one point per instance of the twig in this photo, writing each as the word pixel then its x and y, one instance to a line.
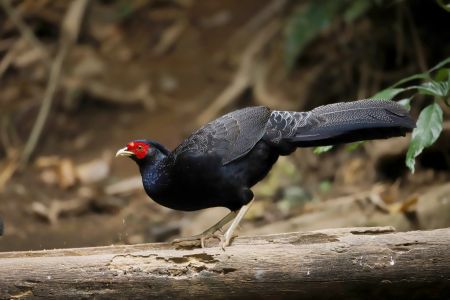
pixel 24 29
pixel 258 21
pixel 9 169
pixel 57 208
pixel 264 96
pixel 243 77
pixel 141 94
pixel 261 91
pixel 70 30
pixel 8 59
pixel 170 36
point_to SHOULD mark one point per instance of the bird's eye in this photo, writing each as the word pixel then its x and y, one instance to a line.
pixel 139 147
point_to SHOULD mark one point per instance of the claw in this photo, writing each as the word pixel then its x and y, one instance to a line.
pixel 230 231
pixel 210 232
pixel 225 240
pixel 223 243
pixel 193 240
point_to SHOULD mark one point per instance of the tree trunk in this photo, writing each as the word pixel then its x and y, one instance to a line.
pixel 341 263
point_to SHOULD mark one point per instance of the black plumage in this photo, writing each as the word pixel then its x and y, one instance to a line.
pixel 219 163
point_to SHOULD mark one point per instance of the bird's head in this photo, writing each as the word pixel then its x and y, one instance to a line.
pixel 142 151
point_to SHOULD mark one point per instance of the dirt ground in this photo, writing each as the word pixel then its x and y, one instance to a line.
pixel 149 70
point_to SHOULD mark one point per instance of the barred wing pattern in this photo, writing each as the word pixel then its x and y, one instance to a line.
pixel 284 124
pixel 339 122
pixel 230 136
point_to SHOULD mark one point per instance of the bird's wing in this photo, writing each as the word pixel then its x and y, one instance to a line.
pixel 229 137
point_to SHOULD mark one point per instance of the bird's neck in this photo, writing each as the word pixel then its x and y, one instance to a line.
pixel 155 173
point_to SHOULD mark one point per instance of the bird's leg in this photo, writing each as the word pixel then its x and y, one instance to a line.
pixel 229 234
pixel 210 231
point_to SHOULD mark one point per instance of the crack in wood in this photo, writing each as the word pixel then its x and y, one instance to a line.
pixel 169 266
pixel 304 239
pixel 373 230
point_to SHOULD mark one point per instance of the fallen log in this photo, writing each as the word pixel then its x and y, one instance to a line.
pixel 337 263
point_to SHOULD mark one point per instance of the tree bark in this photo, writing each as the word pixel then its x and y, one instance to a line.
pixel 341 263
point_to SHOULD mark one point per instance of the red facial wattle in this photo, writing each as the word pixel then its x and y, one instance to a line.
pixel 138 148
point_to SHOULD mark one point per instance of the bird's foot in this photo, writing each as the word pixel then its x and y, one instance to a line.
pixel 196 240
pixel 225 239
pixel 193 241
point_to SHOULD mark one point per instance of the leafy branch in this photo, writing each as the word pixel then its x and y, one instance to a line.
pixel 309 21
pixel 429 123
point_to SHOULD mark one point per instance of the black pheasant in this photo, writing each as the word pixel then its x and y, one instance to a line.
pixel 219 163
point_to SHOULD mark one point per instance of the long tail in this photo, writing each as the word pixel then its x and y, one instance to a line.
pixel 339 123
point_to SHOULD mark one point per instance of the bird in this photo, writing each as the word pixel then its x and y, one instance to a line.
pixel 218 164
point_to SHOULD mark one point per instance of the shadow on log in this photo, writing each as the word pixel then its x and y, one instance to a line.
pixel 345 263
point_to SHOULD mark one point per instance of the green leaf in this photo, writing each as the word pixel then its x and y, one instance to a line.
pixel 356 9
pixel 444 5
pixel 322 149
pixel 353 146
pixel 411 78
pixel 429 127
pixel 434 88
pixel 388 94
pixel 447 98
pixel 406 103
pixel 305 24
pixel 440 65
pixel 425 75
pixel 442 74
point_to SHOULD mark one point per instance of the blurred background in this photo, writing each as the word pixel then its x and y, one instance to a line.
pixel 79 79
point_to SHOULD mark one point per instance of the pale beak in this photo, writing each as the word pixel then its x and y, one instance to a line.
pixel 124 152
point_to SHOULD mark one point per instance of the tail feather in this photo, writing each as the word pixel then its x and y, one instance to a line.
pixel 341 123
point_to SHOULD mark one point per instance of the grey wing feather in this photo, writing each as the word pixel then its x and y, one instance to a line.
pixel 284 124
pixel 230 136
pixel 352 121
pixel 334 119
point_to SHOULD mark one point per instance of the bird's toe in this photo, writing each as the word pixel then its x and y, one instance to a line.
pixel 226 239
pixel 198 240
